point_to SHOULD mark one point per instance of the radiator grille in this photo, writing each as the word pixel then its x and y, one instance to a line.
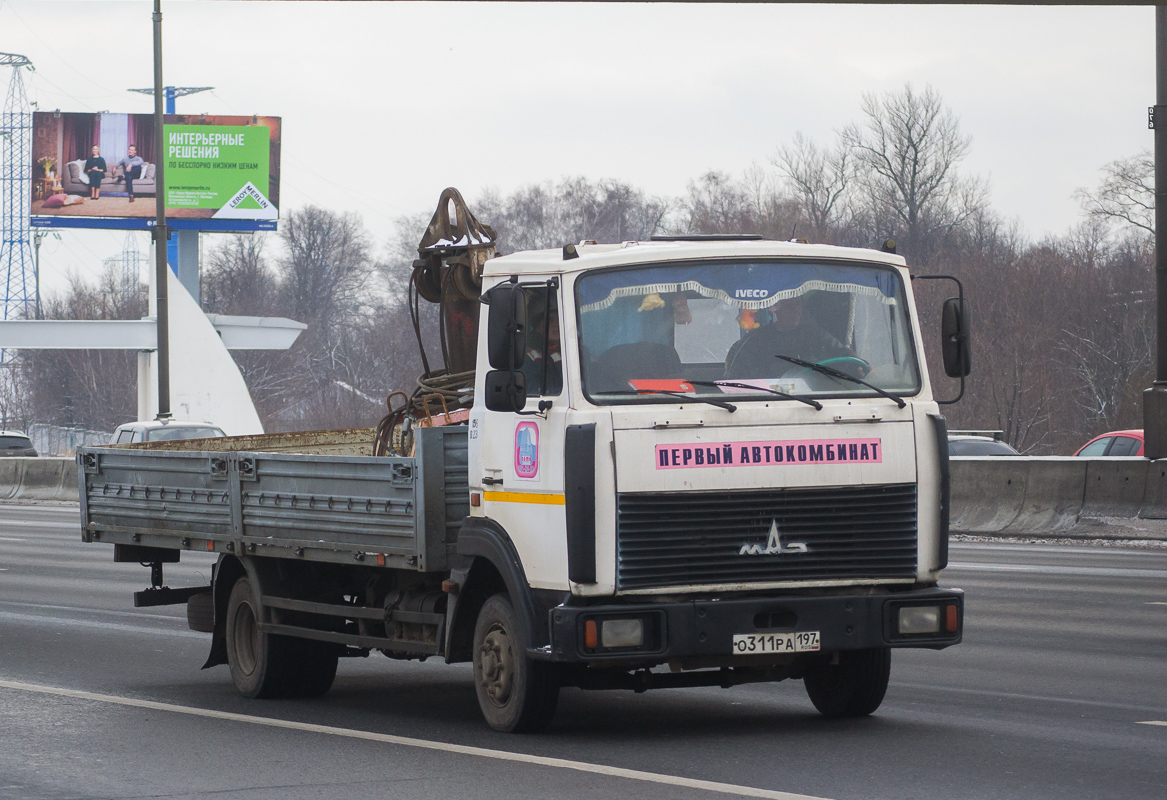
pixel 698 537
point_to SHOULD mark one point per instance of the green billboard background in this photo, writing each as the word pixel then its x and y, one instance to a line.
pixel 223 168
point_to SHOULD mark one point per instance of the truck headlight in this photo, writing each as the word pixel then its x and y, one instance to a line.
pixel 621 633
pixel 919 619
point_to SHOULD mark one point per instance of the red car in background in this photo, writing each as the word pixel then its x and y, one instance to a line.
pixel 1115 443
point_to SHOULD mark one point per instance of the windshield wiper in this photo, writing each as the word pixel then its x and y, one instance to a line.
pixel 834 373
pixel 817 405
pixel 730 407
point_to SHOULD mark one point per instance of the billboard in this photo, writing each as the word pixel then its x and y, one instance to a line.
pixel 221 172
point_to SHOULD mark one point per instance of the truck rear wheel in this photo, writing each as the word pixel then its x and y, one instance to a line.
pixel 516 694
pixel 852 688
pixel 314 667
pixel 260 662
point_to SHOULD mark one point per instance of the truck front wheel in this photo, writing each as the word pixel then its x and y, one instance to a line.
pixel 515 693
pixel 854 687
pixel 260 662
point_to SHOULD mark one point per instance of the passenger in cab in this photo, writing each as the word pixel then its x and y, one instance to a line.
pixel 790 332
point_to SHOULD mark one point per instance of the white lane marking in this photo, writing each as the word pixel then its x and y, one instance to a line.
pixel 1056 549
pixel 93 611
pixel 1156 603
pixel 424 744
pixel 1021 696
pixel 12 539
pixel 1153 722
pixel 41 619
pixel 1042 569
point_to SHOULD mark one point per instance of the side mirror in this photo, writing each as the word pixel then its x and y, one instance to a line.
pixel 506 390
pixel 506 331
pixel 955 340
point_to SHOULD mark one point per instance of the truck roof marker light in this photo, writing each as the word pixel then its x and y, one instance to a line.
pixel 951 618
pixel 591 635
pixel 569 252
pixel 888 246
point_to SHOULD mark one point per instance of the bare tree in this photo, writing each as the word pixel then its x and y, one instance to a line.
pixel 819 178
pixel 554 214
pixel 238 278
pixel 327 266
pixel 92 388
pixel 1126 194
pixel 906 153
pixel 718 204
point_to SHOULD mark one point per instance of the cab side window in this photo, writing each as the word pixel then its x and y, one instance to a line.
pixel 544 354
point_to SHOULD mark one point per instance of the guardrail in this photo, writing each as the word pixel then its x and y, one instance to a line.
pixel 38 479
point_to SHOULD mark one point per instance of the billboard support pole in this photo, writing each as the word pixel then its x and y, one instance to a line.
pixel 161 232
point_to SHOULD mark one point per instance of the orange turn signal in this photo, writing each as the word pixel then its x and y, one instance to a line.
pixel 591 635
pixel 951 618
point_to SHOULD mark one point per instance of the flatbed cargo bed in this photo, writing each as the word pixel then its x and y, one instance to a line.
pixel 301 496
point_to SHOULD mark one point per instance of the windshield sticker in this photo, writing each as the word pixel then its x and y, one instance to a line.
pixel 661 385
pixel 754 454
pixel 526 450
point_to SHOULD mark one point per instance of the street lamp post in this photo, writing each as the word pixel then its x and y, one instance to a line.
pixel 161 233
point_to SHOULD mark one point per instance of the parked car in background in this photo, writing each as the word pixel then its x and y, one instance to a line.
pixel 164 431
pixel 972 445
pixel 1115 443
pixel 15 443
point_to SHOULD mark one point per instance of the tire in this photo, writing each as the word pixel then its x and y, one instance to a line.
pixel 852 688
pixel 200 612
pixel 313 667
pixel 515 693
pixel 261 664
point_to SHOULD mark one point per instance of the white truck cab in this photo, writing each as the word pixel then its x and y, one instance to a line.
pixel 720 450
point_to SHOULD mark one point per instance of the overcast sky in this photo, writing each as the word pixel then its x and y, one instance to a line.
pixel 386 104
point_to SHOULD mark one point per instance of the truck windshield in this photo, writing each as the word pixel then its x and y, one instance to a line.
pixel 721 328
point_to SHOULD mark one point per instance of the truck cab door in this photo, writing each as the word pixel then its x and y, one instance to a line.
pixel 518 466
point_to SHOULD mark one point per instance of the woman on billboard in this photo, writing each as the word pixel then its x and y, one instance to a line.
pixel 95 169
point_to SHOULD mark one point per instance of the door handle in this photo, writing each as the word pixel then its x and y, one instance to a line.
pixel 492 481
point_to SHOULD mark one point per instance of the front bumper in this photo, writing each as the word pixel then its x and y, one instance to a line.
pixel 705 628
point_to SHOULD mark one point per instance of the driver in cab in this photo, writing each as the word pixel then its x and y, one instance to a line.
pixel 790 332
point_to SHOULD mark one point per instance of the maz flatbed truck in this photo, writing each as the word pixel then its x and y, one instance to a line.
pixel 646 492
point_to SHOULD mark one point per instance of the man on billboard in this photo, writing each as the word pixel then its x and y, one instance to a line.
pixel 131 168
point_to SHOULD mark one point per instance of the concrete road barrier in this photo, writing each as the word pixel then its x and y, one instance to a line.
pixel 38 479
pixel 1052 496
pixel 987 493
pixel 1016 495
pixel 1115 487
pixel 1155 494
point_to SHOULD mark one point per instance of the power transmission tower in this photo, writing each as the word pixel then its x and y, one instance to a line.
pixel 17 266
pixel 131 279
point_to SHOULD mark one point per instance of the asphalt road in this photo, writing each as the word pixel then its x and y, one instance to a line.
pixel 1062 667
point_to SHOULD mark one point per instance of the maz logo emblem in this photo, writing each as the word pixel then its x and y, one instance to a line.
pixel 773 546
